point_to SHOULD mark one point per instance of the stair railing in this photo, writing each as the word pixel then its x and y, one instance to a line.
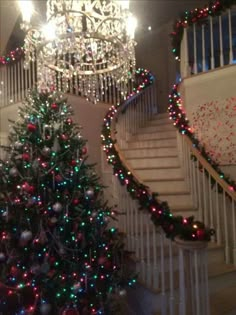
pixel 214 198
pixel 209 42
pixel 175 271
pixel 15 81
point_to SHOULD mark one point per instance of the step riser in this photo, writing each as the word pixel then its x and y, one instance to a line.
pixel 160 122
pixel 156 174
pixel 177 200
pixel 152 143
pixel 151 152
pixel 150 129
pixel 167 186
pixel 155 135
pixel 154 162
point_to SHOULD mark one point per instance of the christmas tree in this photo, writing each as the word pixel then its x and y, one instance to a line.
pixel 57 253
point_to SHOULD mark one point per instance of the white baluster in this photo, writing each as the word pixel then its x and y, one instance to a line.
pixel 195 61
pixel 210 203
pixel 227 257
pixel 230 37
pixel 200 210
pixel 163 278
pixel 234 230
pixel 218 222
pixel 203 49
pixel 171 276
pixel 221 41
pixel 212 44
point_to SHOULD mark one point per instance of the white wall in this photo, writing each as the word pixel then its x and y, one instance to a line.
pixel 210 103
pixel 9 13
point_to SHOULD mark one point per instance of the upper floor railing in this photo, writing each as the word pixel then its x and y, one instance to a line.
pixel 205 39
pixel 16 80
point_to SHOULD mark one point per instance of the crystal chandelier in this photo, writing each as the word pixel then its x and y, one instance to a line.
pixel 86 43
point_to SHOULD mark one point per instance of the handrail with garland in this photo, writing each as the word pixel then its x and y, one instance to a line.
pixel 196 16
pixel 185 228
pixel 181 122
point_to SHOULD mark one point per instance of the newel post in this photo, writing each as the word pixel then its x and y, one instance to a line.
pixel 184 61
pixel 193 277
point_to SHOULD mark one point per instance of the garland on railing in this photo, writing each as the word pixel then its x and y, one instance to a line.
pixel 173 226
pixel 177 114
pixel 188 18
pixel 13 56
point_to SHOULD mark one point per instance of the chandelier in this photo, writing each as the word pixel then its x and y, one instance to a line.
pixel 87 44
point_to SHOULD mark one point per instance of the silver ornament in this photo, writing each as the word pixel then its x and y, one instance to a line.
pixel 122 293
pixel 18 145
pixel 46 151
pixel 89 193
pixel 26 235
pixel 45 308
pixel 57 207
pixel 13 171
pixel 2 257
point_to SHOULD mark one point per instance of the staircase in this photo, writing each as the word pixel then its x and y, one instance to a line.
pixel 153 155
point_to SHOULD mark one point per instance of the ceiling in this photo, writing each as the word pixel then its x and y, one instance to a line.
pixel 148 12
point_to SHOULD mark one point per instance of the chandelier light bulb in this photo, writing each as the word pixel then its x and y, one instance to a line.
pixel 27 9
pixel 49 31
pixel 124 4
pixel 131 25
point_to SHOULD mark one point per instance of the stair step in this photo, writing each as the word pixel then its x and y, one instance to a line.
pixel 160 143
pixel 150 152
pixel 171 134
pixel 156 128
pixel 223 302
pixel 159 173
pixel 154 162
pixel 161 115
pixel 160 121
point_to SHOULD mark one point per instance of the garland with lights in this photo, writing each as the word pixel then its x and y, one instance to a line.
pixel 185 228
pixel 178 116
pixel 12 57
pixel 188 18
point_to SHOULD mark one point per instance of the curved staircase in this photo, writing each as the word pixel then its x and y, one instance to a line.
pixel 152 153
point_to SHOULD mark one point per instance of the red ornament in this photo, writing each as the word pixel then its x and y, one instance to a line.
pixel 73 163
pixel 70 311
pixel 75 201
pixel 58 178
pixel 84 150
pixel 64 137
pixel 25 156
pixel 102 260
pixel 201 234
pixel 31 127
pixel 54 106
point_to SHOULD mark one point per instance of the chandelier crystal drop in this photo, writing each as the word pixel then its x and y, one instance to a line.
pixel 86 44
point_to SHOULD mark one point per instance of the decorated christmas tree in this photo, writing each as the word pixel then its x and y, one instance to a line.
pixel 57 253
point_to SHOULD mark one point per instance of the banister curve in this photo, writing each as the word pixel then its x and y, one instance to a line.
pixel 185 228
